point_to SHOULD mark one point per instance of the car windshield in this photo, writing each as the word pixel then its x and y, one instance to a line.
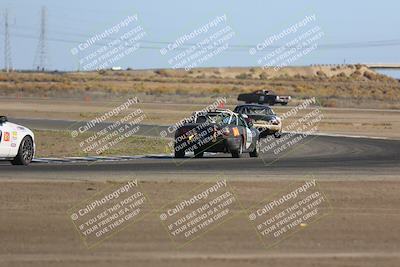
pixel 264 92
pixel 260 111
pixel 214 118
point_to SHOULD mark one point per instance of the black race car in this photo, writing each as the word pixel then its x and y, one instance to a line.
pixel 264 97
pixel 263 118
pixel 217 131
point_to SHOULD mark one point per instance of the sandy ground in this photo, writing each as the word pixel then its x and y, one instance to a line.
pixel 382 123
pixel 362 229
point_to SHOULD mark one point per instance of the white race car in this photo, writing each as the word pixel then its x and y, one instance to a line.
pixel 17 143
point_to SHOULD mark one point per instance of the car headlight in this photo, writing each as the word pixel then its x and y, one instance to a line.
pixel 275 121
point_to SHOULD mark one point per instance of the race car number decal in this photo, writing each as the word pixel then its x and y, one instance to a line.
pixel 235 132
pixel 6 136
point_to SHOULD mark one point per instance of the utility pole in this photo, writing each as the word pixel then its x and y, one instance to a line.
pixel 40 62
pixel 7 44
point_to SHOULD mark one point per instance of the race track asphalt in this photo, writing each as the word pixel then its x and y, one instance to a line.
pixel 337 156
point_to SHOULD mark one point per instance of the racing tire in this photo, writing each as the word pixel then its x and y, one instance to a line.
pixel 25 152
pixel 238 153
pixel 179 154
pixel 278 134
pixel 263 132
pixel 198 153
pixel 256 152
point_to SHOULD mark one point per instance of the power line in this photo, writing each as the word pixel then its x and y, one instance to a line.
pixel 234 48
pixel 40 62
pixel 7 44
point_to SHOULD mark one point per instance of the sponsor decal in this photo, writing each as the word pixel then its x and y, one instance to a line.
pixel 14 136
pixel 6 136
pixel 13 144
pixel 235 131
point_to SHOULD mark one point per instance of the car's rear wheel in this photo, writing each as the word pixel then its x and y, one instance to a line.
pixel 256 151
pixel 198 153
pixel 238 153
pixel 25 152
pixel 263 132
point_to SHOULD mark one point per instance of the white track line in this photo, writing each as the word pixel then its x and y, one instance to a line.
pixel 346 135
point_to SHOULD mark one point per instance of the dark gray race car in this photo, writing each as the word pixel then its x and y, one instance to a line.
pixel 217 131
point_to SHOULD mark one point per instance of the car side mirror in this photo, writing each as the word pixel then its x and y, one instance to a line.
pixel 3 119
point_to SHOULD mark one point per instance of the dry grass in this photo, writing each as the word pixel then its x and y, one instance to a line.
pixel 60 144
pixel 329 84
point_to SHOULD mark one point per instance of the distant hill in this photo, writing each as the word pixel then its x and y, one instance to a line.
pixel 331 84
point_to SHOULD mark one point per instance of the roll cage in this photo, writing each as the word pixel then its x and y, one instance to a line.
pixel 219 116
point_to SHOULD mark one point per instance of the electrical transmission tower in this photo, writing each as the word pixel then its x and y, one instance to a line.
pixel 7 45
pixel 40 62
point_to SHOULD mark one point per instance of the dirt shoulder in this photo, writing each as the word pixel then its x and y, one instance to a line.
pixel 366 122
pixel 362 230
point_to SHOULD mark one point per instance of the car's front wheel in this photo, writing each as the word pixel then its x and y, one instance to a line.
pixel 25 152
pixel 256 151
pixel 238 153
pixel 179 154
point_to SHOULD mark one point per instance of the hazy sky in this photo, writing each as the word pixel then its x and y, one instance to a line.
pixel 355 31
